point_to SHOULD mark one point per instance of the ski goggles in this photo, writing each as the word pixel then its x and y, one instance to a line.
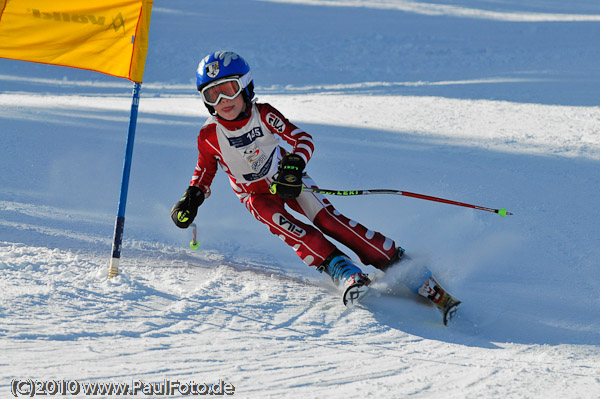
pixel 228 88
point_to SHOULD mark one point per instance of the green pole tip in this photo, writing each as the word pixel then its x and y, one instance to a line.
pixel 194 244
pixel 502 212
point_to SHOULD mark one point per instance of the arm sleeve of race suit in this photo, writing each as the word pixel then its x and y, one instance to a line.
pixel 206 166
pixel 301 142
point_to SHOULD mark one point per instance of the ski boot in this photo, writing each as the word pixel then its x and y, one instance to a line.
pixel 446 303
pixel 348 276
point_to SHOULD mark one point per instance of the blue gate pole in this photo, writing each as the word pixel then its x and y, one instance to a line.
pixel 120 222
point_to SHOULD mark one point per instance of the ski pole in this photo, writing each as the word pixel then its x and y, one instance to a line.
pixel 194 244
pixel 502 212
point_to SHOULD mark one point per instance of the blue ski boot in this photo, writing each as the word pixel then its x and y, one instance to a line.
pixel 348 276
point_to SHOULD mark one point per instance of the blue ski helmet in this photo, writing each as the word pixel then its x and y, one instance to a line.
pixel 222 64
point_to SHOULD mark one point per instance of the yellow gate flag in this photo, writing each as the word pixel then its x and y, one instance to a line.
pixel 107 36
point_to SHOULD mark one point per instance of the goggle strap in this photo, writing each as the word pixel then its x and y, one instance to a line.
pixel 246 79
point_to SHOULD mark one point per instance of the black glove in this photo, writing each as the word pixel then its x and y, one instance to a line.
pixel 288 181
pixel 186 209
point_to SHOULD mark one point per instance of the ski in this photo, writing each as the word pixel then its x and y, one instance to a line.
pixel 357 287
pixel 355 290
pixel 449 311
pixel 446 303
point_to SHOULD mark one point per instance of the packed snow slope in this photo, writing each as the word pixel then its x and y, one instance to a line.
pixel 493 103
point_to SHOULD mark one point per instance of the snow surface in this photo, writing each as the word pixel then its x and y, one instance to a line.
pixel 491 102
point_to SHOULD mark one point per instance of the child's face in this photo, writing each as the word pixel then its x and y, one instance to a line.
pixel 231 109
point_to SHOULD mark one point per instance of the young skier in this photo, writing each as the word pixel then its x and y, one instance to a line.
pixel 242 136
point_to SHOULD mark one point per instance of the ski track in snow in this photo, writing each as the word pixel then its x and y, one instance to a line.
pixel 168 303
pixel 487 102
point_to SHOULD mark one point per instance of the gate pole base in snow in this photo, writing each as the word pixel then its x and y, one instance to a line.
pixel 113 271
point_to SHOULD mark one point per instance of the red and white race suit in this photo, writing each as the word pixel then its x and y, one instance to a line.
pixel 248 151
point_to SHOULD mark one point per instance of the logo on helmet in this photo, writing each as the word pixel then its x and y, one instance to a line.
pixel 226 57
pixel 212 69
